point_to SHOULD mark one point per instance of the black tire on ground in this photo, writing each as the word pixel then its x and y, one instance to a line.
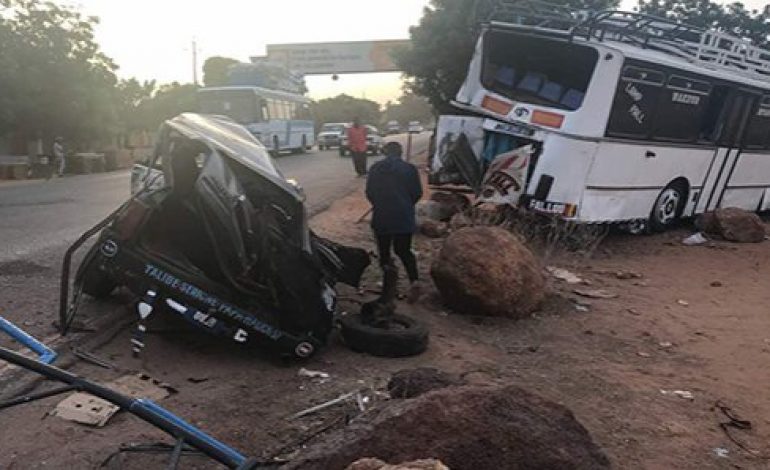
pixel 408 339
pixel 342 152
pixel 303 147
pixel 96 283
pixel 668 206
pixel 276 146
pixel 320 147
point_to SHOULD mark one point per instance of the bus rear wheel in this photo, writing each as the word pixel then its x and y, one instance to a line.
pixel 668 206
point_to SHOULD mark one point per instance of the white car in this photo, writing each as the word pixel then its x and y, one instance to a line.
pixel 415 127
pixel 331 135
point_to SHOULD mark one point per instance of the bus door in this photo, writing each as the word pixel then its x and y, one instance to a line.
pixel 728 136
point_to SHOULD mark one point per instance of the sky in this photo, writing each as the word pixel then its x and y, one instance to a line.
pixel 152 39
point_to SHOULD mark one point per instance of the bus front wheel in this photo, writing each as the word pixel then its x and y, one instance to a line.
pixel 668 206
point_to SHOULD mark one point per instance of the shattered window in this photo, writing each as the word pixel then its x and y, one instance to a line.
pixel 537 70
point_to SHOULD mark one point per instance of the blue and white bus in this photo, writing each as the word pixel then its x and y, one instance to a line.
pixel 281 121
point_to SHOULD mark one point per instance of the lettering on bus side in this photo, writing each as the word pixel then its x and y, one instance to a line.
pixel 684 98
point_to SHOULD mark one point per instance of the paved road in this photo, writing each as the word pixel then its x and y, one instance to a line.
pixel 44 216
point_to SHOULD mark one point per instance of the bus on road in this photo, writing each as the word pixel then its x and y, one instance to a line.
pixel 624 117
pixel 281 121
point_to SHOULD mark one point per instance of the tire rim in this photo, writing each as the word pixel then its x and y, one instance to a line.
pixel 668 206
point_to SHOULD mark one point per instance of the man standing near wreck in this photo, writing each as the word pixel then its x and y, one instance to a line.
pixel 393 188
pixel 357 145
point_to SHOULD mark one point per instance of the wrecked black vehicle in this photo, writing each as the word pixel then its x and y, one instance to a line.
pixel 219 237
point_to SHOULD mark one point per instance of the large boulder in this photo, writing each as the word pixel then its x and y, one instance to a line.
pixel 433 228
pixel 442 206
pixel 486 270
pixel 732 224
pixel 470 427
pixel 451 202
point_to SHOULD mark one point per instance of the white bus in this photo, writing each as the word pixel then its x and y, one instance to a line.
pixel 631 118
pixel 281 121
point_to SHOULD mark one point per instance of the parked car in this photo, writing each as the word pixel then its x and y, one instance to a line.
pixel 373 142
pixel 393 127
pixel 331 135
pixel 415 127
pixel 216 235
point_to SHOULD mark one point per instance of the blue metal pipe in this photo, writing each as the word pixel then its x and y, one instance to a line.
pixel 47 355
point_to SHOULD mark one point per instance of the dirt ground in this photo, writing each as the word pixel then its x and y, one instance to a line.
pixel 688 319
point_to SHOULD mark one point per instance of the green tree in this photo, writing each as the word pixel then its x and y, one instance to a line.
pixel 215 70
pixel 732 18
pixel 344 108
pixel 168 101
pixel 53 76
pixel 132 97
pixel 409 107
pixel 442 45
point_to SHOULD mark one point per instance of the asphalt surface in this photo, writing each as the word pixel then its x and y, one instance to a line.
pixel 39 218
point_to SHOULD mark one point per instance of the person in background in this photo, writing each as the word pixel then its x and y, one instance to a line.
pixel 393 188
pixel 58 154
pixel 357 145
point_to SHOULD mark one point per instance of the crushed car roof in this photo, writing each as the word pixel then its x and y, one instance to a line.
pixel 234 141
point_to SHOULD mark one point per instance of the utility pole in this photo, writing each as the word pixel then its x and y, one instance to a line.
pixel 195 61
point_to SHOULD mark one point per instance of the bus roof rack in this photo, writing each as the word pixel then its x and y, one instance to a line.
pixel 709 48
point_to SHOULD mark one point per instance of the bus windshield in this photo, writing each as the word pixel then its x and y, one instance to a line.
pixel 537 70
pixel 239 105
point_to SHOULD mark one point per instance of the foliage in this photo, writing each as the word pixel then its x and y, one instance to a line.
pixel 344 108
pixel 54 78
pixel 733 18
pixel 442 45
pixel 215 70
pixel 167 102
pixel 409 107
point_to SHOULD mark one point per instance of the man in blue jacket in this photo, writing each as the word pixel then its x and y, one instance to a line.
pixel 393 188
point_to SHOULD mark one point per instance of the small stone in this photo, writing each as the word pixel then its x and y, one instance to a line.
pixel 643 354
pixel 588 332
pixel 633 311
pixel 666 344
pixel 683 303
pixel 533 349
pixel 716 284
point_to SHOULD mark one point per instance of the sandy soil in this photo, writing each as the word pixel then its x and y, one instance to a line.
pixel 685 318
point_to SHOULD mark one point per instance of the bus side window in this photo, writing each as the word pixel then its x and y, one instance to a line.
pixel 635 101
pixel 680 109
pixel 708 129
pixel 758 130
pixel 262 114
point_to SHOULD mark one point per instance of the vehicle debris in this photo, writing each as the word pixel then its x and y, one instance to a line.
pixel 595 293
pixel 695 239
pixel 313 374
pixel 721 452
pixel 84 408
pixel 221 223
pixel 685 394
pixel 564 275
pixel 314 409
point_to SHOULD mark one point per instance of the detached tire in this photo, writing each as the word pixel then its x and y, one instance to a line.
pixel 408 338
pixel 96 283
